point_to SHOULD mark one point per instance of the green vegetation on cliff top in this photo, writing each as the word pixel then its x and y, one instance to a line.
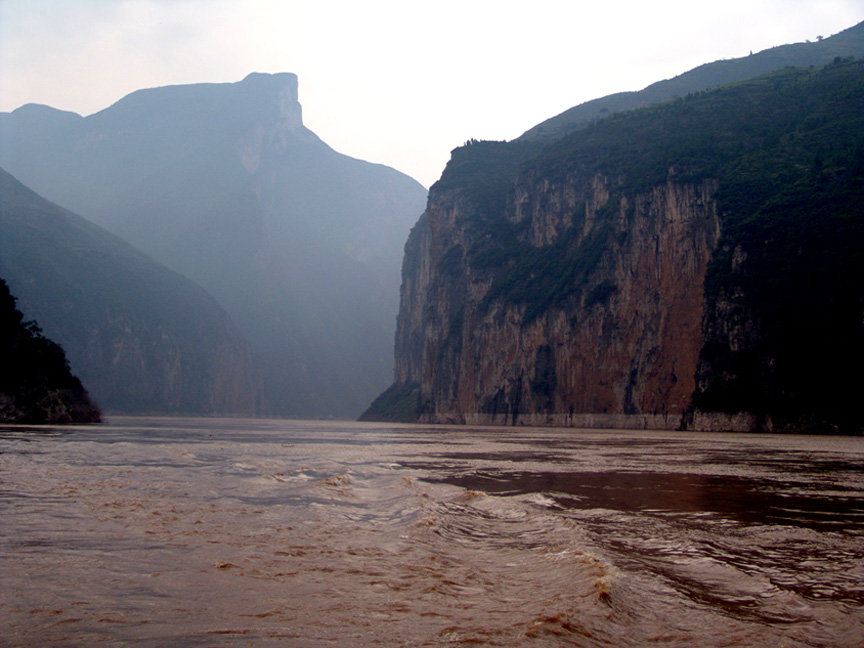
pixel 849 42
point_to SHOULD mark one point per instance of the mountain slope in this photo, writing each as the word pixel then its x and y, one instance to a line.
pixel 223 183
pixel 849 42
pixel 695 264
pixel 142 338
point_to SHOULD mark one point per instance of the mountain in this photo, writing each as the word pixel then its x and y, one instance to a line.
pixel 224 184
pixel 141 337
pixel 36 384
pixel 849 42
pixel 696 264
pixel 32 119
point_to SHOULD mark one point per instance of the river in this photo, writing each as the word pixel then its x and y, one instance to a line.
pixel 223 532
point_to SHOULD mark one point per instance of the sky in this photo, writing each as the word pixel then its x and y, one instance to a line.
pixel 396 82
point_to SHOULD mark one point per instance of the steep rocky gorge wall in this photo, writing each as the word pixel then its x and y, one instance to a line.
pixel 588 282
pixel 625 344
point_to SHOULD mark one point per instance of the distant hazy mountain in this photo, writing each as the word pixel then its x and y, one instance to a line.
pixel 141 337
pixel 36 384
pixel 224 184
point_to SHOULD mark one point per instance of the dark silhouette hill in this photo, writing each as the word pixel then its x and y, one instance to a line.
pixel 141 337
pixel 36 383
pixel 223 183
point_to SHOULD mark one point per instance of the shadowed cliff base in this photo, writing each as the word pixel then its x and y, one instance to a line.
pixel 399 403
pixel 402 404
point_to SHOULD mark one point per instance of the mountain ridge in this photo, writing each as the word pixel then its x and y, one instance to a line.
pixel 849 42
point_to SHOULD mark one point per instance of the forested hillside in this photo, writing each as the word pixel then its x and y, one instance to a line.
pixel 36 383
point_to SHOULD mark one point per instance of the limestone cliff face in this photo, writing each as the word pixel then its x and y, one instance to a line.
pixel 626 343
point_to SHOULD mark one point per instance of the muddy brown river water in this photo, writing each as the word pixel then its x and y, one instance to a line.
pixel 215 532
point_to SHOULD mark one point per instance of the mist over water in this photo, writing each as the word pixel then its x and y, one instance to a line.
pixel 208 532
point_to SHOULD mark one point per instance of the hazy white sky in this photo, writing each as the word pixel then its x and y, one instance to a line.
pixel 391 81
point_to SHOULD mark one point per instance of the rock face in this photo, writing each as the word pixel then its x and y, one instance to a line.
pixel 659 269
pixel 141 337
pixel 222 183
pixel 629 346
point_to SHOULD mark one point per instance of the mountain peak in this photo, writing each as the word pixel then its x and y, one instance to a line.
pixel 41 111
pixel 288 79
pixel 286 98
pixel 214 105
pixel 35 118
pixel 223 183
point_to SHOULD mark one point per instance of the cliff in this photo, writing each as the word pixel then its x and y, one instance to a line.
pixel 696 264
pixel 36 383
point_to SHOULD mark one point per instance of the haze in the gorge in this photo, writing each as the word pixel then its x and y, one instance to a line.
pixel 223 184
